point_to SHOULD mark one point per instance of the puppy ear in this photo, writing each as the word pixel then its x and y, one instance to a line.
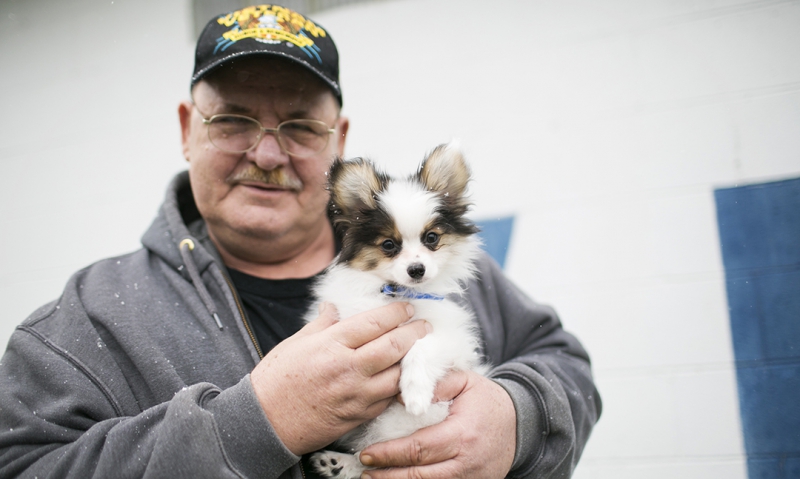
pixel 354 184
pixel 444 170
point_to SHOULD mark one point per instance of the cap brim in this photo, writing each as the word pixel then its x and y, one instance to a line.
pixel 207 69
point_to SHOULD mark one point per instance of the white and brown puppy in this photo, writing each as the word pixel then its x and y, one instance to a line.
pixel 403 240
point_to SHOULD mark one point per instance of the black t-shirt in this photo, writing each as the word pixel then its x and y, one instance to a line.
pixel 275 307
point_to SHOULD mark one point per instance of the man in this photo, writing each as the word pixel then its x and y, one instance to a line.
pixel 188 358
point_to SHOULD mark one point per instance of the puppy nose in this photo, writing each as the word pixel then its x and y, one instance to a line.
pixel 416 270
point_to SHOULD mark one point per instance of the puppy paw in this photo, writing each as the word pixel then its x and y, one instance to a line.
pixel 417 403
pixel 337 464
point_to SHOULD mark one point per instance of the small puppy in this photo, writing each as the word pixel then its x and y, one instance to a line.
pixel 403 240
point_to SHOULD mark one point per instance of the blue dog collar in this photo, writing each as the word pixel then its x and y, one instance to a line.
pixel 401 292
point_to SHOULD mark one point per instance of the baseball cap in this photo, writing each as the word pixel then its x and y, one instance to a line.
pixel 268 30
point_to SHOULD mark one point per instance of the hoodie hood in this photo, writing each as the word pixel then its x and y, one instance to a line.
pixel 178 219
pixel 179 237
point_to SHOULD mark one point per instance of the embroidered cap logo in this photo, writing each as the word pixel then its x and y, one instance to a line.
pixel 270 24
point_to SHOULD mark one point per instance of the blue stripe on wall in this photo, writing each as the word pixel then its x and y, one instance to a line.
pixel 759 228
pixel 496 235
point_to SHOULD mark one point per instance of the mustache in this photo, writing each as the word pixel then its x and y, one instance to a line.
pixel 277 177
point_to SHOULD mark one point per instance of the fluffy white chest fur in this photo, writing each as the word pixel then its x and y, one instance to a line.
pixel 403 240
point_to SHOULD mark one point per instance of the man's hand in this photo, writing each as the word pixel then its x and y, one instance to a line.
pixel 332 376
pixel 477 440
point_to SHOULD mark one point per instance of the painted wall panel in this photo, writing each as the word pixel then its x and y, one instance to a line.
pixel 496 235
pixel 760 234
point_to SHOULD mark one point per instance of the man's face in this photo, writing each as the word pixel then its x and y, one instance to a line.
pixel 229 188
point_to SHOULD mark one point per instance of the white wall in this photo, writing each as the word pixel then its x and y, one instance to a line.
pixel 89 136
pixel 603 126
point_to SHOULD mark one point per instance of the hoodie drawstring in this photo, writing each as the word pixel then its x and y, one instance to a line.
pixel 185 247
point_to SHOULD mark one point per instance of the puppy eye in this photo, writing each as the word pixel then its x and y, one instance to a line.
pixel 388 246
pixel 431 238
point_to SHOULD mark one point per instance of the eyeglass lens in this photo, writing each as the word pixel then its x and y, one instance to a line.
pixel 238 134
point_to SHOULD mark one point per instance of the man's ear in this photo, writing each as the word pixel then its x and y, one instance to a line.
pixel 342 126
pixel 185 117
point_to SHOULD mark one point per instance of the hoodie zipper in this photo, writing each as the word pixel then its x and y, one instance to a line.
pixel 255 342
pixel 249 330
pixel 244 317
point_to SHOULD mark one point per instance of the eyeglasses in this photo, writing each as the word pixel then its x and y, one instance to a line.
pixel 239 134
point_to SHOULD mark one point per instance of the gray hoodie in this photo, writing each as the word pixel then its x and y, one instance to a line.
pixel 141 369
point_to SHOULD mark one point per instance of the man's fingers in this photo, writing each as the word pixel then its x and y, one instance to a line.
pixel 442 470
pixel 385 384
pixel 450 386
pixel 390 348
pixel 362 328
pixel 328 316
pixel 429 445
pixel 375 409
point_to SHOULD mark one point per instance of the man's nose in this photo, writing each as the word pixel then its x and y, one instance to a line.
pixel 268 153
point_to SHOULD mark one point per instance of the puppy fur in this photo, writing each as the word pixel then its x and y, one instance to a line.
pixel 411 234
